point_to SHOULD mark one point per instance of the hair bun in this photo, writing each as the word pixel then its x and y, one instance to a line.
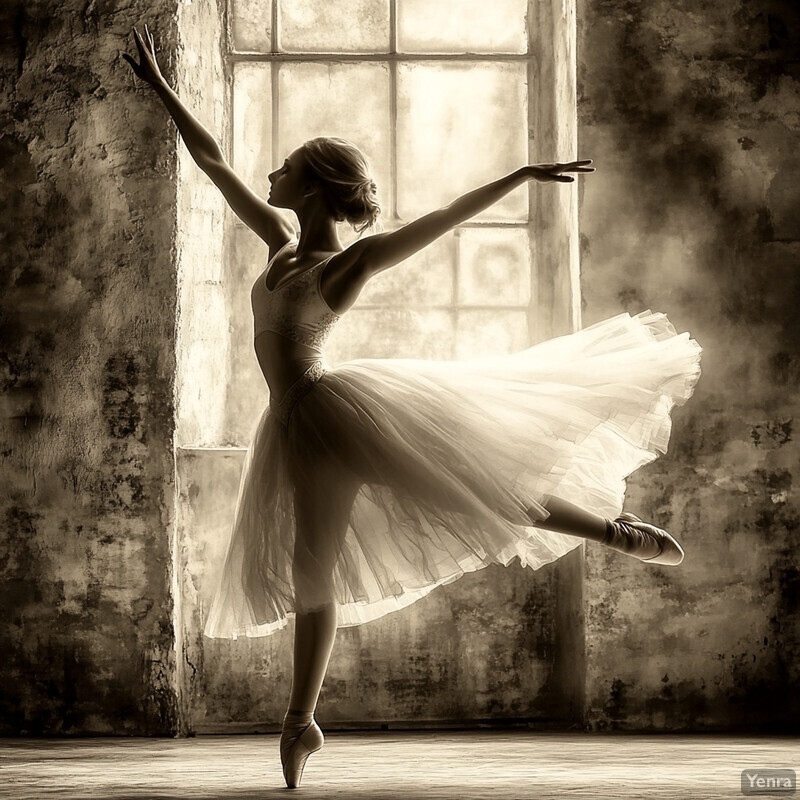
pixel 344 172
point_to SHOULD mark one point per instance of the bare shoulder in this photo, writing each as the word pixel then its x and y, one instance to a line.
pixel 349 260
pixel 344 276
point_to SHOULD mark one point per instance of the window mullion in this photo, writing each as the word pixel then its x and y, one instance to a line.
pixel 275 76
pixel 393 106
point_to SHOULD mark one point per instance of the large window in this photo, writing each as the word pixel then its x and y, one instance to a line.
pixel 437 96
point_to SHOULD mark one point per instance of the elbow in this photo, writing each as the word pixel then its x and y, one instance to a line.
pixel 211 159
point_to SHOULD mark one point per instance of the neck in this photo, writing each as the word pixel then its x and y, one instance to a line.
pixel 317 232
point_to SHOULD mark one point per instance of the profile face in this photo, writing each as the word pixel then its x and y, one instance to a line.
pixel 289 182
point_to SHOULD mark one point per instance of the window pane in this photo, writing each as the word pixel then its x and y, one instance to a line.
pixel 486 333
pixel 460 126
pixel 391 333
pixel 251 25
pixel 462 26
pixel 334 26
pixel 346 100
pixel 494 267
pixel 252 124
pixel 424 279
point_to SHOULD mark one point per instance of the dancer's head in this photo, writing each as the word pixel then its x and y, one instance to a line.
pixel 339 171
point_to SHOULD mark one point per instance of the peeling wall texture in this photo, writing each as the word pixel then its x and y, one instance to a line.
pixel 691 111
pixel 87 368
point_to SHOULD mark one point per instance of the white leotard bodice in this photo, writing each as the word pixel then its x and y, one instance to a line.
pixel 290 325
pixel 294 309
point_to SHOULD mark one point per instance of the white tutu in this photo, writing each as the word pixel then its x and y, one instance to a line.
pixel 453 460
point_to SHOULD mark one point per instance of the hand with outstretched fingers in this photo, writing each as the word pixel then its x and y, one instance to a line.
pixel 547 173
pixel 147 68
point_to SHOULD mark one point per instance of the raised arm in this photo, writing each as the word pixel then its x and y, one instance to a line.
pixel 246 204
pixel 384 250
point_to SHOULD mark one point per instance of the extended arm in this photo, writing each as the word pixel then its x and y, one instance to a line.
pixel 384 250
pixel 246 204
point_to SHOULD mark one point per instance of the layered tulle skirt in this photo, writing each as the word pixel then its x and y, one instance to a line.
pixel 413 472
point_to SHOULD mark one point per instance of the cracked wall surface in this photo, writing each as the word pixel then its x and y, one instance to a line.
pixel 691 113
pixel 87 365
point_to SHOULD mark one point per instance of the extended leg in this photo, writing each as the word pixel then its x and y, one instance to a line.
pixel 566 517
pixel 627 534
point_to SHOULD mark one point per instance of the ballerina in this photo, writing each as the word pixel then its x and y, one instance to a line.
pixel 368 484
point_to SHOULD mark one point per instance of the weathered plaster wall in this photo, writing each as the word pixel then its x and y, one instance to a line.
pixel 691 112
pixel 204 338
pixel 87 366
pixel 202 81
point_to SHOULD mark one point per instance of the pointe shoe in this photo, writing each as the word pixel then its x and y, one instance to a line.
pixel 296 750
pixel 632 534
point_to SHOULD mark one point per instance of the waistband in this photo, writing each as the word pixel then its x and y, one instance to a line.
pixel 283 408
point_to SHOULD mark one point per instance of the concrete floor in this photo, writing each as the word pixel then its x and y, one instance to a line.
pixel 394 766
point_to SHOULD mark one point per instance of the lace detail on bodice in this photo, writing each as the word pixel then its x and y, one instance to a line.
pixel 294 309
pixel 300 388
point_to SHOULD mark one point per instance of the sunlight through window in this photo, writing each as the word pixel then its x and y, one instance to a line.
pixel 438 97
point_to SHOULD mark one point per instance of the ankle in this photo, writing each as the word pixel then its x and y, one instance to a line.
pixel 296 716
pixel 295 725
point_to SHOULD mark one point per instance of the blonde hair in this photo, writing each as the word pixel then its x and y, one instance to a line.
pixel 347 186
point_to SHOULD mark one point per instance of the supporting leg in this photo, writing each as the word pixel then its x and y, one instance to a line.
pixel 324 495
pixel 314 636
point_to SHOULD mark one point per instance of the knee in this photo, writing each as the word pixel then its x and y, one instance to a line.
pixel 306 567
pixel 313 582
